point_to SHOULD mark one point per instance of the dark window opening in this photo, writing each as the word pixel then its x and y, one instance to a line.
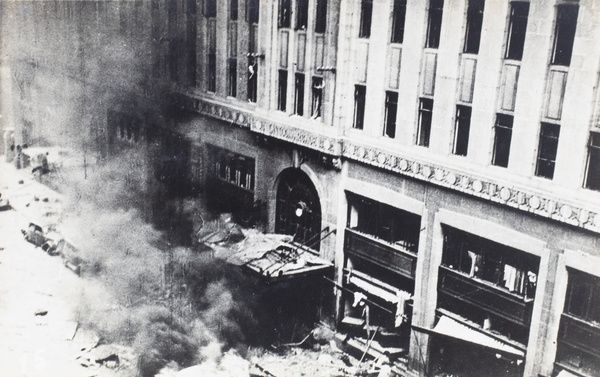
pixel 516 30
pixel 301 14
pixel 191 7
pixel 424 126
pixel 233 10
pixel 398 19
pixel 282 90
pixel 285 9
pixel 474 25
pixel 252 11
pixel 321 16
pixel 564 34
pixel 434 23
pixel 252 79
pixel 299 94
pixel 384 222
pixel 461 130
pixel 583 296
pixel 547 148
pixel 232 77
pixel 592 176
pixel 360 93
pixel 212 72
pixel 502 138
pixel 317 97
pixel 391 109
pixel 366 13
pixel 210 8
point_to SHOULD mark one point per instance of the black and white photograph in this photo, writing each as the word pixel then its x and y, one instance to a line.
pixel 288 188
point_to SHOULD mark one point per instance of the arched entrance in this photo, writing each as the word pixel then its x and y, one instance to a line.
pixel 298 209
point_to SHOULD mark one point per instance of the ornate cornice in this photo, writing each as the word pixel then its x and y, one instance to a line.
pixel 520 198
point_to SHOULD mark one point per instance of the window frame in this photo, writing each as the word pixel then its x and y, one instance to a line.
pixel 391 114
pixel 210 8
pixel 593 156
pixel 435 14
pixel 284 14
pixel 321 16
pixel 301 21
pixel 424 122
pixel 515 37
pixel 506 132
pixel 360 99
pixel 547 135
pixel 564 34
pixel 299 89
pixel 282 90
pixel 366 19
pixel 317 87
pixel 474 26
pixel 462 128
pixel 398 21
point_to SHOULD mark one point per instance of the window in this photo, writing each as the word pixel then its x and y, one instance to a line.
pixel 592 176
pixel 434 23
pixel 461 130
pixel 301 14
pixel 232 77
pixel 299 94
pixel 366 12
pixel 233 10
pixel 210 8
pixel 424 126
pixel 391 109
pixel 474 24
pixel 384 222
pixel 321 16
pixel 252 11
pixel 547 150
pixel 398 18
pixel 583 296
pixel 516 30
pixel 252 79
pixel 317 97
pixel 285 9
pixel 212 72
pixel 502 137
pixel 360 93
pixel 564 34
pixel 282 90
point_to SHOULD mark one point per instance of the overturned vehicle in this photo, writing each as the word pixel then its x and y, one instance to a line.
pixel 54 244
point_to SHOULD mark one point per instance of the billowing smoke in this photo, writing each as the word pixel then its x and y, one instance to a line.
pixel 67 68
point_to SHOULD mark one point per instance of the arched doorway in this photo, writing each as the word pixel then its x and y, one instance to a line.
pixel 298 209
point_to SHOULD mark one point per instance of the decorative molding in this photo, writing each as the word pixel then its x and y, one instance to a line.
pixel 518 198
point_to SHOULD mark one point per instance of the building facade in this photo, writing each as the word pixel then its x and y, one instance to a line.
pixel 453 146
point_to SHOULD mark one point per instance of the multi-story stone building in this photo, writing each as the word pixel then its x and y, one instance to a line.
pixel 453 146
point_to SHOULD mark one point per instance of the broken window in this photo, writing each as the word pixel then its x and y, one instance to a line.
pixel 366 13
pixel 502 138
pixel 434 23
pixel 360 93
pixel 317 97
pixel 391 109
pixel 424 125
pixel 564 34
pixel 461 130
pixel 517 27
pixel 299 94
pixel 547 148
pixel 474 25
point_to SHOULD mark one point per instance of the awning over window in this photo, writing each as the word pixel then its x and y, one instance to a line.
pixel 454 329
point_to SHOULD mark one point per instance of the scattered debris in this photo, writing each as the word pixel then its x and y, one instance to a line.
pixel 41 312
pixel 71 329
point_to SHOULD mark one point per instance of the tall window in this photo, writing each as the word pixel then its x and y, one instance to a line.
pixel 321 16
pixel 583 296
pixel 301 14
pixel 282 90
pixel 252 11
pixel 564 34
pixel 299 94
pixel 212 72
pixel 502 137
pixel 232 77
pixel 461 130
pixel 360 93
pixel 233 10
pixel 424 126
pixel 474 24
pixel 398 18
pixel 547 147
pixel 516 30
pixel 285 10
pixel 391 109
pixel 317 97
pixel 252 79
pixel 210 8
pixel 366 12
pixel 592 176
pixel 434 23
